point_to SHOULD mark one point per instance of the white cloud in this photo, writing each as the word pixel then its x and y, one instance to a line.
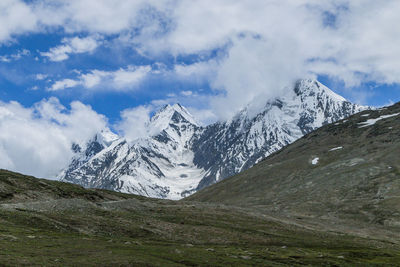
pixel 353 40
pixel 96 16
pixel 38 140
pixel 5 59
pixel 260 73
pixel 271 43
pixel 63 84
pixel 18 55
pixel 265 44
pixel 198 71
pixel 187 93
pixel 131 76
pixel 93 78
pixel 203 115
pixel 134 122
pixel 117 80
pixel 70 46
pixel 41 76
pixel 16 17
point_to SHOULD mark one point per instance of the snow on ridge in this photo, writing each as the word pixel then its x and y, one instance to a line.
pixel 306 93
pixel 312 86
pixel 179 157
pixel 373 121
pixel 162 119
pixel 330 93
pixel 165 114
pixel 106 137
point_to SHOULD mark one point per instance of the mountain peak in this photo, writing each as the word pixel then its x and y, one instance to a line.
pixel 172 114
pixel 178 157
pixel 312 87
pixel 106 137
pixel 308 92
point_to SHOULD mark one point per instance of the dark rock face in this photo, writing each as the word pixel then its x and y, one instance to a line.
pixel 182 157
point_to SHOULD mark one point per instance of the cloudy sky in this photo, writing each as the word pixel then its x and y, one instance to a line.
pixel 69 68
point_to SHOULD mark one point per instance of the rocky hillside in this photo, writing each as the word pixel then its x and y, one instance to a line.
pixel 345 173
pixel 227 148
pixel 180 157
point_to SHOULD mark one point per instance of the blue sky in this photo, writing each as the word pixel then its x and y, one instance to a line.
pixel 71 68
pixel 29 66
pixel 26 75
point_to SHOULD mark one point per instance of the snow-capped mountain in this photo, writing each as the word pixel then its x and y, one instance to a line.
pixel 179 157
pixel 227 148
pixel 159 166
pixel 99 142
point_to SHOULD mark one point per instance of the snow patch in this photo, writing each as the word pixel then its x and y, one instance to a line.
pixel 315 161
pixel 336 148
pixel 373 121
pixel 106 137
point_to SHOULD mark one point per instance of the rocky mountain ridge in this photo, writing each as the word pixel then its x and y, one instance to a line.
pixel 344 175
pixel 180 157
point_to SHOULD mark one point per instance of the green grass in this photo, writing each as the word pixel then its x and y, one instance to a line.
pixel 47 223
pixel 175 235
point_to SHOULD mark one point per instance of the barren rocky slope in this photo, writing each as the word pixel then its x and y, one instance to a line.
pixel 345 175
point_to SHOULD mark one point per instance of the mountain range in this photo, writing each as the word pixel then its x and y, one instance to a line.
pixel 343 176
pixel 331 198
pixel 181 157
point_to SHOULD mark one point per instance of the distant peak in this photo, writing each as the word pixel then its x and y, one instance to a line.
pixel 171 114
pixel 106 136
pixel 310 87
pixel 177 105
pixel 166 109
pixel 307 91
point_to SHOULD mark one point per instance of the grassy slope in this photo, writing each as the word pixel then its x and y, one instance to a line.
pixel 19 188
pixel 355 189
pixel 51 223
